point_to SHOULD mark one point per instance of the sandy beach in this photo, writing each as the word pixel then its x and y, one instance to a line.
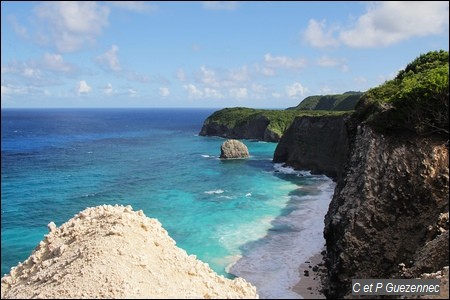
pixel 311 271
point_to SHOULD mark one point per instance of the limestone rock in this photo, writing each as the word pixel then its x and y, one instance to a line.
pixel 233 149
pixel 115 252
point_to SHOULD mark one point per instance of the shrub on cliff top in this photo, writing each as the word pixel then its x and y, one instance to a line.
pixel 416 100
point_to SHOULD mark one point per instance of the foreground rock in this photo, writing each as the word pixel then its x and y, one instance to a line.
pixel 115 252
pixel 233 149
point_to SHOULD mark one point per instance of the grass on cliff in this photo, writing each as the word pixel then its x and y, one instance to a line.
pixel 337 102
pixel 279 120
pixel 416 100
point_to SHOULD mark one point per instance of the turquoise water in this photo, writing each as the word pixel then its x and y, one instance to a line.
pixel 56 163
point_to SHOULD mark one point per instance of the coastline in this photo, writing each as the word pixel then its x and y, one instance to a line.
pixel 311 286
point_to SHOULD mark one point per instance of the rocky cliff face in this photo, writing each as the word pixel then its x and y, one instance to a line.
pixel 385 218
pixel 319 144
pixel 255 128
pixel 389 214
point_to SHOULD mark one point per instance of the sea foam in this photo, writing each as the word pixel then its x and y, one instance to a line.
pixel 272 263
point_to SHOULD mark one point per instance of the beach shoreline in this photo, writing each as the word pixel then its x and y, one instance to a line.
pixel 312 273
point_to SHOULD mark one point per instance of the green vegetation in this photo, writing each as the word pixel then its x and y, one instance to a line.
pixel 416 100
pixel 279 120
pixel 338 102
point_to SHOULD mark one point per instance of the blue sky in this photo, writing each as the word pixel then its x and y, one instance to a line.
pixel 207 54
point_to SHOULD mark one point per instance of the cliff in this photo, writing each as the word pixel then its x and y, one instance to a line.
pixel 389 214
pixel 388 210
pixel 320 144
pixel 115 252
pixel 259 124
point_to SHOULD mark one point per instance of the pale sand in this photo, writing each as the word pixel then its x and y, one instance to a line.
pixel 115 252
pixel 309 287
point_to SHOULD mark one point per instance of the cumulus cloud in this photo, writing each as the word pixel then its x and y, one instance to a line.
pixel 295 89
pixel 71 24
pixel 83 88
pixel 316 36
pixel 207 92
pixel 56 63
pixel 164 91
pixel 109 60
pixel 219 5
pixel 385 23
pixel 132 93
pixel 193 91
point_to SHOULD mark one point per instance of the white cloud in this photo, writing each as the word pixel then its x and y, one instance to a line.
pixel 109 60
pixel 134 6
pixel 83 88
pixel 360 80
pixel 108 89
pixel 329 62
pixel 8 89
pixel 385 23
pixel 239 75
pixel 284 62
pixel 208 77
pixel 316 37
pixel 390 22
pixel 164 91
pixel 56 63
pixel 193 91
pixel 72 24
pixel 258 88
pixel 212 93
pixel 295 89
pixel 132 93
pixel 219 5
pixel 238 93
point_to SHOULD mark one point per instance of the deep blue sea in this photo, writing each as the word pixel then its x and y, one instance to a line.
pixel 253 218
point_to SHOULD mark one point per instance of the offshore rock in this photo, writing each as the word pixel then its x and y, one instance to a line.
pixel 233 149
pixel 115 252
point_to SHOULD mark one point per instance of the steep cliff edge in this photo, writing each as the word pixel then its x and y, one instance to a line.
pixel 386 209
pixel 389 214
pixel 320 144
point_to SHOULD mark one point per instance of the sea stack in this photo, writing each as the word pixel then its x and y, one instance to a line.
pixel 233 149
pixel 115 252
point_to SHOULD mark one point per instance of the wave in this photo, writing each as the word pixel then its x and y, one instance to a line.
pixel 214 192
pixel 281 168
pixel 272 263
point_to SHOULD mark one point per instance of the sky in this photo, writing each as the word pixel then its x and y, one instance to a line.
pixel 267 54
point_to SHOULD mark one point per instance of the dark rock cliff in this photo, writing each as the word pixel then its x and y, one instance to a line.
pixel 320 144
pixel 384 212
pixel 254 128
pixel 385 218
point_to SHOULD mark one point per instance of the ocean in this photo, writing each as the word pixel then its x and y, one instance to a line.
pixel 249 218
